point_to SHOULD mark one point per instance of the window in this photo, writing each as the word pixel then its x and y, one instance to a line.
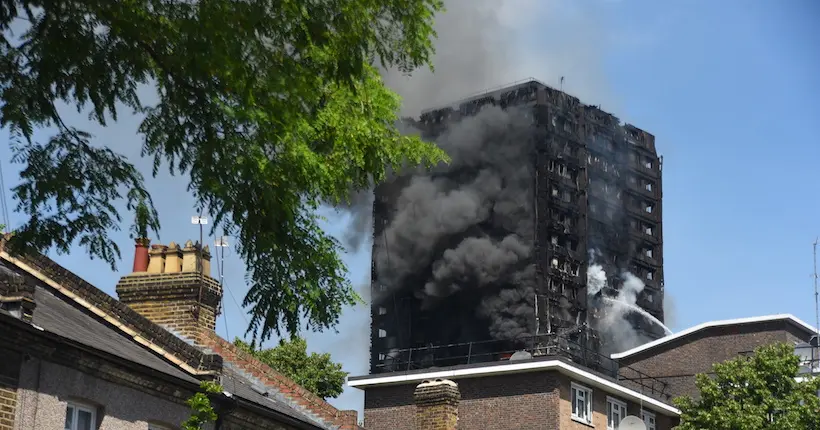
pixel 648 186
pixel 554 263
pixel 648 419
pixel 648 208
pixel 648 229
pixel 581 401
pixel 648 252
pixel 650 275
pixel 382 310
pixel 80 417
pixel 615 412
pixel 382 333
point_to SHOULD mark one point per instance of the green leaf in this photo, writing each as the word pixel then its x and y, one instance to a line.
pixel 751 393
pixel 267 109
pixel 314 372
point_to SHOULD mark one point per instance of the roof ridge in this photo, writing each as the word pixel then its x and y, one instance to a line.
pixel 712 324
pixel 294 394
pixel 143 330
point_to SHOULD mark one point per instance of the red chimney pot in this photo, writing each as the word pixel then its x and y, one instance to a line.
pixel 141 255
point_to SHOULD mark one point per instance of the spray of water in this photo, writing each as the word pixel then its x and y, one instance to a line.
pixel 634 308
pixel 614 326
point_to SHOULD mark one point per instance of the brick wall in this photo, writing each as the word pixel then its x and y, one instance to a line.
pixel 436 405
pixel 46 389
pixel 677 362
pixel 523 401
pixel 182 302
pixel 179 316
pixel 599 409
pixel 516 401
pixel 9 379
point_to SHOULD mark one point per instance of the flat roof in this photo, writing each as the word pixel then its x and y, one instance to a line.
pixel 494 369
pixel 712 324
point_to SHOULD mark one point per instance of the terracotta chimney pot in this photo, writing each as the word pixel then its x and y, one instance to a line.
pixel 141 254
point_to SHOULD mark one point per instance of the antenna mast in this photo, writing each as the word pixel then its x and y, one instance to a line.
pixel 200 220
pixel 816 293
pixel 220 245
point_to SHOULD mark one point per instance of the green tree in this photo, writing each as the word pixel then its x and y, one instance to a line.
pixel 754 393
pixel 267 108
pixel 314 372
pixel 202 412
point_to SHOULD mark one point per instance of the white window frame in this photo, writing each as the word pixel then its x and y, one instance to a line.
pixel 586 418
pixel 77 407
pixel 650 420
pixel 611 405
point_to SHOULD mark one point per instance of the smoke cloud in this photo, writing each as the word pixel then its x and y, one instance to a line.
pixel 613 312
pixel 468 225
pixel 490 43
pixel 466 228
pixel 483 44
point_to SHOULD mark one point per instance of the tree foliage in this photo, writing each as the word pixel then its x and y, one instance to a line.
pixel 316 373
pixel 268 108
pixel 202 412
pixel 754 393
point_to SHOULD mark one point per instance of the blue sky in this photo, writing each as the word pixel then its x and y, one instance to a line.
pixel 729 88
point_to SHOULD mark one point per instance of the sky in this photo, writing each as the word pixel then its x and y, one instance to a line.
pixel 728 88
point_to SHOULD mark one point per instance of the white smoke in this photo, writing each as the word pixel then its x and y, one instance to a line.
pixel 483 44
pixel 596 279
pixel 612 322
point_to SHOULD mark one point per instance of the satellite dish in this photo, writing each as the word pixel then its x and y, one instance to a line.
pixel 521 355
pixel 631 422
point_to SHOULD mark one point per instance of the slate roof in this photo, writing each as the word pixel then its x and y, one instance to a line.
pixel 236 382
pixel 61 316
pixel 58 316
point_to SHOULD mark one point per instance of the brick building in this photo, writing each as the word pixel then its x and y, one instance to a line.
pixel 73 357
pixel 673 361
pixel 549 392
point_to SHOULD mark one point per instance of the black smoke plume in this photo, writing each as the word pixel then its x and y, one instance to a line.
pixel 466 228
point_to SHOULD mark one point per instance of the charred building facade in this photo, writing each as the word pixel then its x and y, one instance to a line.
pixel 543 233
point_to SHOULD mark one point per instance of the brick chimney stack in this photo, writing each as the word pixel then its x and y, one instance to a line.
pixel 175 290
pixel 437 405
pixel 16 295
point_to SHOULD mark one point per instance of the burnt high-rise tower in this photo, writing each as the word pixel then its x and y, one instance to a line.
pixel 543 231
